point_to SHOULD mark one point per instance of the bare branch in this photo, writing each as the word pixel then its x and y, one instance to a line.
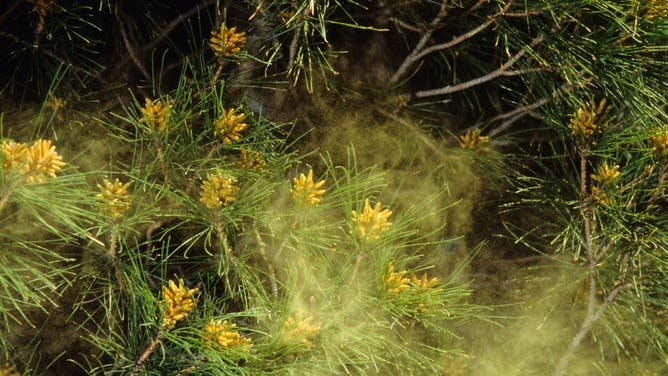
pixel 594 310
pixel 410 59
pixel 54 56
pixel 295 40
pixel 459 39
pixel 142 50
pixel 419 53
pixel 407 26
pixel 175 22
pixel 128 46
pixel 508 123
pixel 501 71
pixel 147 353
pixel 521 72
pixel 524 14
pixel 612 295
pixel 658 191
pixel 9 10
pixel 586 326
pixel 292 52
pixel 520 112
pixel 476 6
pixel 272 272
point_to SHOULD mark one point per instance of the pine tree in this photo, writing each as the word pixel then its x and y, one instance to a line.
pixel 164 212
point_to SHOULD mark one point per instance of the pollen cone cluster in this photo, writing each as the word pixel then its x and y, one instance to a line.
pixel 305 192
pixel 14 157
pixel 218 191
pixel 114 198
pixel 424 282
pixel 227 42
pixel 660 144
pixel 250 159
pixel 36 163
pixel 656 9
pixel 8 370
pixel 55 103
pixel 300 329
pixel 396 282
pixel 224 334
pixel 229 126
pixel 587 121
pixel 472 140
pixel 606 174
pixel 604 178
pixel 371 222
pixel 42 8
pixel 156 114
pixel 177 303
pixel 600 197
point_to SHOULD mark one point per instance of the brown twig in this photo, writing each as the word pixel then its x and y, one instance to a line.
pixel 222 237
pixel 7 193
pixel 292 52
pixel 147 353
pixel 219 71
pixel 150 248
pixel 141 51
pixel 358 261
pixel 594 313
pixel 585 327
pixel 461 38
pixel 128 46
pixel 410 59
pixel 149 234
pixel 501 71
pixel 419 53
pixel 291 227
pixel 272 277
pixel 524 14
pixel 587 216
pixel 9 10
pixel 113 250
pixel 476 6
pixel 515 115
pixel 55 57
pixel 660 184
pixel 407 26
pixel 174 23
pixel 520 112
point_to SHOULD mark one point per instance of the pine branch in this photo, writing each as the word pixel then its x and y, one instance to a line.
pixel 406 25
pixel 9 10
pixel 585 328
pixel 520 112
pixel 128 46
pixel 594 313
pixel 52 55
pixel 182 17
pixel 501 71
pixel 147 353
pixel 113 251
pixel 292 52
pixel 272 277
pixel 419 53
pixel 410 59
pixel 463 37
